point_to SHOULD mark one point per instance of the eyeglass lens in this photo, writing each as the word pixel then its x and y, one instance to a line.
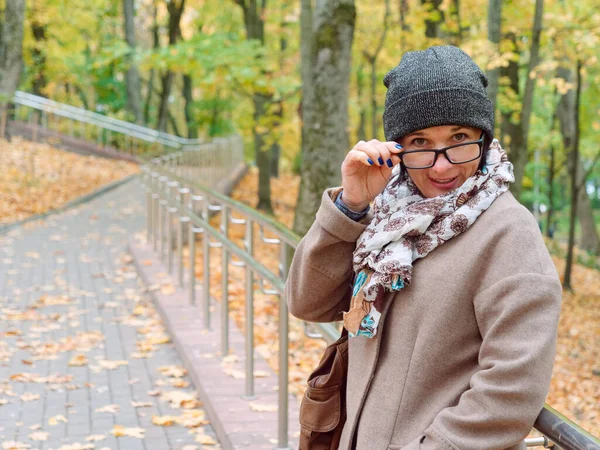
pixel 457 155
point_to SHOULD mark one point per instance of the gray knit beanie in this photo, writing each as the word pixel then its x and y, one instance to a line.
pixel 438 86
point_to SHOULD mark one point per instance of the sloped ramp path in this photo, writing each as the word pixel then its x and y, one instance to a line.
pixel 81 343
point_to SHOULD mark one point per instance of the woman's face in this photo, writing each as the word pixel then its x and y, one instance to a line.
pixel 443 177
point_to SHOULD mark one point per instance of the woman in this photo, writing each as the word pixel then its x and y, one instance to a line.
pixel 446 288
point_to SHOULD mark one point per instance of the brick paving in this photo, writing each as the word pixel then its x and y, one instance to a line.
pixel 81 255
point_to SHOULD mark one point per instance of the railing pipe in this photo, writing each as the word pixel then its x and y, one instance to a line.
pixel 249 313
pixel 162 205
pixel 563 432
pixel 148 183
pixel 155 200
pixel 225 285
pixel 183 220
pixel 172 187
pixel 283 414
pixel 206 262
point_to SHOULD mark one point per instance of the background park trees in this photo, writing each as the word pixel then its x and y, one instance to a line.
pixel 301 80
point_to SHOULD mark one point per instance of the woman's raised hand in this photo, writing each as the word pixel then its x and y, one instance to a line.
pixel 366 170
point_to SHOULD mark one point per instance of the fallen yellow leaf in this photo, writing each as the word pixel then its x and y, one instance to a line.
pixel 262 407
pixel 205 439
pixel 39 436
pixel 59 418
pixel 121 431
pixel 78 360
pixel 164 421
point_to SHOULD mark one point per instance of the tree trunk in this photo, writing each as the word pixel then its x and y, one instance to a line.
pixel 11 49
pixel 134 95
pixel 520 152
pixel 155 45
pixel 550 228
pixel 39 58
pixel 255 29
pixel 566 112
pixel 175 12
pixel 574 185
pixel 494 22
pixel 326 115
pixel 362 111
pixel 372 58
pixel 434 18
pixel 459 28
pixel 403 7
pixel 263 157
pixel 163 110
pixel 189 100
pixel 589 239
pixel 214 117
pixel 306 51
pixel 511 131
pixel 276 146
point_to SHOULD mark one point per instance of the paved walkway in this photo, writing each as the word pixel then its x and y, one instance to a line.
pixel 78 335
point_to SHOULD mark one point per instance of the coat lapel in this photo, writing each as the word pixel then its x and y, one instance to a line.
pixel 360 374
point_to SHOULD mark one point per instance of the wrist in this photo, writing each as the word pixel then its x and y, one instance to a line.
pixel 352 206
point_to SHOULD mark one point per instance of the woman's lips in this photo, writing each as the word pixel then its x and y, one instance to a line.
pixel 443 183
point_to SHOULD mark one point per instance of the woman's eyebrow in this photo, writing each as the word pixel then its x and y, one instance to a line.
pixel 416 133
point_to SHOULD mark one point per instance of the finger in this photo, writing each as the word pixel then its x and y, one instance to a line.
pixel 360 156
pixel 394 147
pixel 384 154
pixel 370 149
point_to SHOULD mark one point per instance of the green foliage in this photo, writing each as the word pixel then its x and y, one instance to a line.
pixel 84 59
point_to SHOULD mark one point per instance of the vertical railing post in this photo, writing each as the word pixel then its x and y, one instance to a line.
pixel 206 261
pixel 172 187
pixel 155 199
pixel 183 219
pixel 283 354
pixel 148 180
pixel 192 246
pixel 249 313
pixel 225 284
pixel 162 205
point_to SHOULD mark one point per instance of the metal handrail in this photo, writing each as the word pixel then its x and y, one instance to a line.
pixel 563 432
pixel 106 122
pixel 171 195
pixel 125 138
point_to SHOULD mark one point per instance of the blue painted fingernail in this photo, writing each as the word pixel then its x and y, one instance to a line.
pixel 370 161
pixel 389 163
pixel 380 161
pixel 399 147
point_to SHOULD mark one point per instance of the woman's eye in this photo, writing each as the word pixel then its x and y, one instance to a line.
pixel 419 141
pixel 460 136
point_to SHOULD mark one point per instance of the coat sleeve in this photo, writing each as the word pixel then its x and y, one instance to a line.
pixel 518 320
pixel 318 286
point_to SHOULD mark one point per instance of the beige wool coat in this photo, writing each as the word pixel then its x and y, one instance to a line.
pixel 463 356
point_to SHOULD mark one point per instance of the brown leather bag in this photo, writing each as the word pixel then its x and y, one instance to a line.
pixel 323 408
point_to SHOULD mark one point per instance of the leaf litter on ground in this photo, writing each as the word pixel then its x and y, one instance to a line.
pixel 37 177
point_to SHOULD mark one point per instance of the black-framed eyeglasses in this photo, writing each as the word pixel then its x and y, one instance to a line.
pixel 455 154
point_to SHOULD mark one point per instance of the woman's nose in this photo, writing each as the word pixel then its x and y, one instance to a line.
pixel 441 164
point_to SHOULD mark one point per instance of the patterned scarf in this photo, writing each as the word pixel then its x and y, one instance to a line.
pixel 407 226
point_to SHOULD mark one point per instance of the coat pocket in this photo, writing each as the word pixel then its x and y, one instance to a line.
pixel 321 409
